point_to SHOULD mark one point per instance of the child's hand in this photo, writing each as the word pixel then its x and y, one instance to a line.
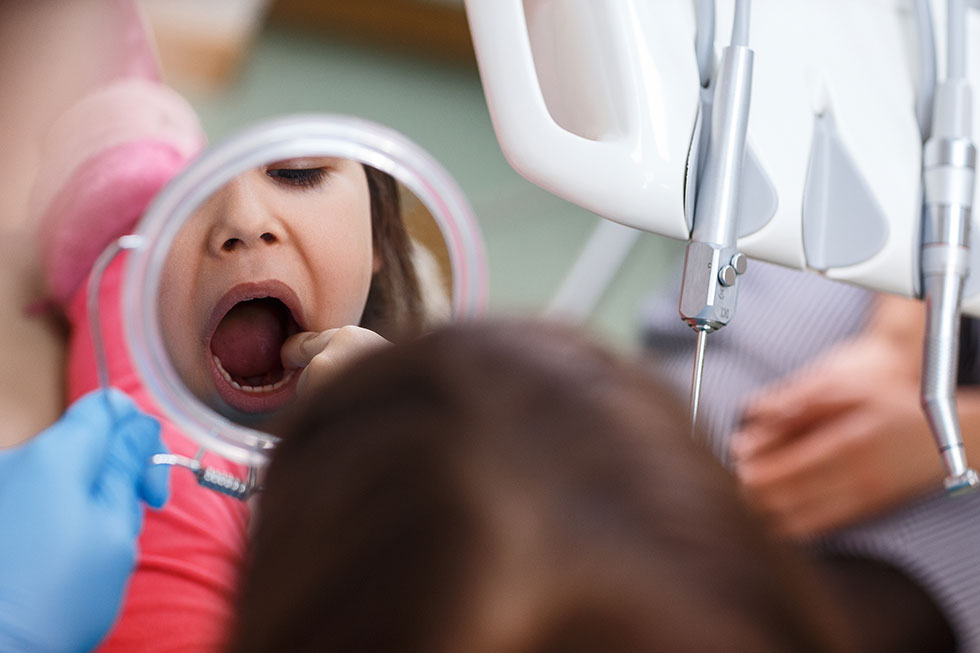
pixel 322 355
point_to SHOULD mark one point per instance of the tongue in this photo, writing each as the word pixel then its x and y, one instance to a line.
pixel 249 338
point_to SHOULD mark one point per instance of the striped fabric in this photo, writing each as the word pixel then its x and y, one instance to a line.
pixel 784 319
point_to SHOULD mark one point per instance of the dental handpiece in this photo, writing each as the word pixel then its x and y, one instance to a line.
pixel 948 175
pixel 712 262
pixel 949 171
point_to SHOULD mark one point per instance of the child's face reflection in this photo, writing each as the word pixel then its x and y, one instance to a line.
pixel 282 248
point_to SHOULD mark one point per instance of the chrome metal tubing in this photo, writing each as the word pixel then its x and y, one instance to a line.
pixel 716 211
pixel 944 268
pixel 705 301
pixel 949 163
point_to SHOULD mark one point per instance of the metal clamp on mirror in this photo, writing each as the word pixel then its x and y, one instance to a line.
pixel 211 478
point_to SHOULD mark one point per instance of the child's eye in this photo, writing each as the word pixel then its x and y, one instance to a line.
pixel 302 177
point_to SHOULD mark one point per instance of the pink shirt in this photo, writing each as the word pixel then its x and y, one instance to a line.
pixel 181 596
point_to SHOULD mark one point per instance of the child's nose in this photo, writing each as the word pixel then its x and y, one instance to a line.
pixel 244 227
pixel 231 243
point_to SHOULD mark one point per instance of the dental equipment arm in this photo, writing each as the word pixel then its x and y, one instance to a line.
pixel 949 170
pixel 845 162
pixel 712 262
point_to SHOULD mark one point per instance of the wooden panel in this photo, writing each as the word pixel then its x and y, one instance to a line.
pixel 431 28
pixel 203 43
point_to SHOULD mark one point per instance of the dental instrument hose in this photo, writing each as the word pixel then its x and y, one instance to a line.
pixel 712 261
pixel 949 171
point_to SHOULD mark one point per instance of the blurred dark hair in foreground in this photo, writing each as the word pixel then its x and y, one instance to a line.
pixel 511 487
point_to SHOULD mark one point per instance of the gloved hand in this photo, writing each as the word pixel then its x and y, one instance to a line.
pixel 70 513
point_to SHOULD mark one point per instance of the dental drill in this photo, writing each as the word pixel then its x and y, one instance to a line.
pixel 712 262
pixel 949 171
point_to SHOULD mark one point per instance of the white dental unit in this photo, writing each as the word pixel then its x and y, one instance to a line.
pixel 815 134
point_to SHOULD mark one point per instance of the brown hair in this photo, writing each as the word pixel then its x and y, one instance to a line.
pixel 512 488
pixel 394 303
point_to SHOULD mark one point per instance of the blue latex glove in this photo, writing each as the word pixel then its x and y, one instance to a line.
pixel 70 513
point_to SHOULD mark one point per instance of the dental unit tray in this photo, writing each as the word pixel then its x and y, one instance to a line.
pixel 601 104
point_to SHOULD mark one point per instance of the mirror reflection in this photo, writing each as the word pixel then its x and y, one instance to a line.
pixel 286 273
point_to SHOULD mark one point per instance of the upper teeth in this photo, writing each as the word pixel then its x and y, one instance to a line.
pixel 250 388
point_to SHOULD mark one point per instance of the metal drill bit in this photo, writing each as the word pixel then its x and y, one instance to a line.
pixel 696 378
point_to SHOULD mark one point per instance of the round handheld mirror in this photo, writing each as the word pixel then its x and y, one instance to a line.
pixel 291 228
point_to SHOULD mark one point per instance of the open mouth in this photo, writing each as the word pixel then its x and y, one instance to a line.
pixel 246 347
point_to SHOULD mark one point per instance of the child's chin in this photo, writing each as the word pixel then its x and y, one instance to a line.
pixel 272 422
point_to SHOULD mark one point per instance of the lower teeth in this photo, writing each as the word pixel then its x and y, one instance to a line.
pixel 250 388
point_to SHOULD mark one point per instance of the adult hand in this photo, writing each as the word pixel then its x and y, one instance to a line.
pixel 838 441
pixel 322 355
pixel 70 514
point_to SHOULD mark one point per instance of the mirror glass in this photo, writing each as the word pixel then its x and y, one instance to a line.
pixel 247 264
